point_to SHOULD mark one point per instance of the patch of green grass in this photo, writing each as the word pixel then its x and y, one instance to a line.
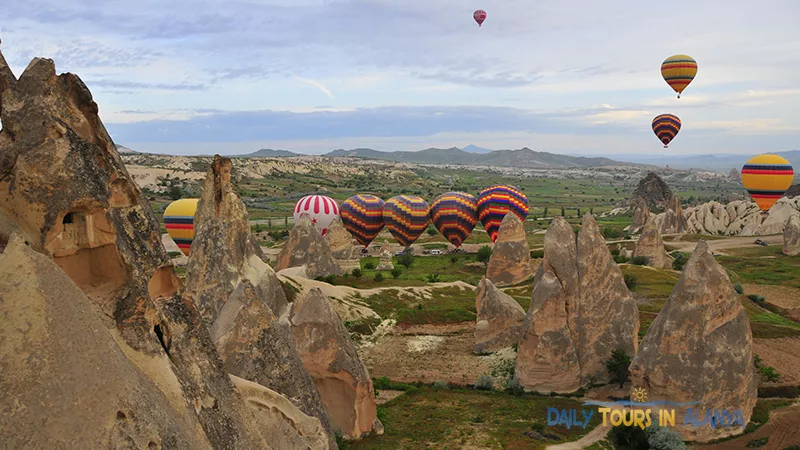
pixel 435 246
pixel 445 305
pixel 651 283
pixel 364 326
pixel 693 237
pixel 417 275
pixel 768 325
pixel 426 418
pixel 756 251
pixel 181 271
pixel 782 270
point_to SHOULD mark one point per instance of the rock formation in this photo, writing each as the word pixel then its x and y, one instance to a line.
pixel 65 191
pixel 778 216
pixel 651 246
pixel 601 312
pixel 338 373
pixel 307 248
pixel 734 175
pixel 793 191
pixel 699 348
pixel 499 321
pixel 742 218
pixel 546 357
pixel 385 262
pixel 641 215
pixel 653 190
pixel 241 298
pixel 345 253
pixel 510 262
pixel 791 236
pixel 672 220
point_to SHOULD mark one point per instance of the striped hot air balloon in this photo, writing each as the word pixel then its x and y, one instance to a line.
pixel 766 178
pixel 678 71
pixel 179 222
pixel 362 216
pixel 495 202
pixel 455 214
pixel 320 208
pixel 666 127
pixel 406 217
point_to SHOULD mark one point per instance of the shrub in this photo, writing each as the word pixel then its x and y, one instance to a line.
pixel 769 373
pixel 757 298
pixel 738 288
pixel 621 259
pixel 640 260
pixel 679 260
pixel 369 265
pixel 756 443
pixel 396 272
pixel 485 383
pixel 433 278
pixel 453 259
pixel 630 280
pixel 617 366
pixel 514 388
pixel 406 259
pixel 537 253
pixel 440 385
pixel 378 277
pixel 484 254
pixel 615 252
pixel 431 231
pixel 612 233
pixel 662 438
pixel 357 273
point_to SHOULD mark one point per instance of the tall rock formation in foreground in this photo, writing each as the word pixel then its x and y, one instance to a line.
pixel 651 246
pixel 331 358
pixel 699 349
pixel 601 313
pixel 500 318
pixel 791 236
pixel 241 297
pixel 64 189
pixel 510 262
pixel 307 248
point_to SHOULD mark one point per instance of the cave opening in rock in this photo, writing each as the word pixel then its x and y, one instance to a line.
pixel 162 332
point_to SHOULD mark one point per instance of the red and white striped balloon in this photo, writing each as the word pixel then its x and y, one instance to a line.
pixel 320 208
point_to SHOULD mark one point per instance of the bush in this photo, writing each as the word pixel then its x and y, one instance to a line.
pixel 612 233
pixel 514 388
pixel 484 254
pixel 617 366
pixel 615 252
pixel 756 443
pixel 378 277
pixel 661 438
pixel 433 278
pixel 357 273
pixel 630 280
pixel 369 265
pixel 485 383
pixel 769 373
pixel 757 298
pixel 406 259
pixel 738 288
pixel 621 259
pixel 679 260
pixel 431 231
pixel 537 253
pixel 453 259
pixel 640 260
pixel 440 385
pixel 396 272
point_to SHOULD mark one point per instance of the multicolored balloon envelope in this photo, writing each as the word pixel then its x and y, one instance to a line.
pixel 666 127
pixel 455 214
pixel 406 217
pixel 495 202
pixel 320 208
pixel 362 216
pixel 766 178
pixel 678 71
pixel 479 16
pixel 179 222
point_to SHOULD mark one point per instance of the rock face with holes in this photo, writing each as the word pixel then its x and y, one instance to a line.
pixel 651 246
pixel 331 358
pixel 242 300
pixel 700 349
pixel 65 191
pixel 500 317
pixel 791 236
pixel 510 262
pixel 601 313
pixel 307 248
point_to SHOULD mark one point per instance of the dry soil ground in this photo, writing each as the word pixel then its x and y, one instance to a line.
pixel 783 431
pixel 784 297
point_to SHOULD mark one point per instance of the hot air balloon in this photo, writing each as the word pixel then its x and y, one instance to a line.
pixel 678 71
pixel 406 217
pixel 766 178
pixel 362 216
pixel 455 214
pixel 179 222
pixel 479 16
pixel 320 208
pixel 495 202
pixel 666 126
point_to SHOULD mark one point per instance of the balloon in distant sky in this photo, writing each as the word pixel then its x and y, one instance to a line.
pixel 479 16
pixel 179 222
pixel 678 71
pixel 666 126
pixel 455 214
pixel 406 217
pixel 362 216
pixel 495 202
pixel 320 208
pixel 766 178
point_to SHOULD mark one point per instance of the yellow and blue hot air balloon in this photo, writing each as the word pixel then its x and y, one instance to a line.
pixel 179 222
pixel 666 127
pixel 406 217
pixel 455 214
pixel 766 178
pixel 362 216
pixel 495 202
pixel 678 71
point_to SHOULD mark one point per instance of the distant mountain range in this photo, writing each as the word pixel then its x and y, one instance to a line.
pixel 268 153
pixel 715 162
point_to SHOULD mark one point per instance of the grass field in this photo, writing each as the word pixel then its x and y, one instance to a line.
pixel 445 305
pixel 752 267
pixel 447 268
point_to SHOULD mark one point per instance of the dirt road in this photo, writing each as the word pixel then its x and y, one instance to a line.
pixel 730 242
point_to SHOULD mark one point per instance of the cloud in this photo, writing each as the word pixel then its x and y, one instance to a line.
pixel 316 84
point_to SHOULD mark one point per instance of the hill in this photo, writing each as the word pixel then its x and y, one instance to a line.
pixel 268 153
pixel 476 149
pixel 718 162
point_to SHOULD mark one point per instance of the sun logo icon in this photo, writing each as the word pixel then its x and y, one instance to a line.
pixel 639 395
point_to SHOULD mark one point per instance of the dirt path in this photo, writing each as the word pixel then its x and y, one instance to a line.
pixel 598 434
pixel 782 430
pixel 728 242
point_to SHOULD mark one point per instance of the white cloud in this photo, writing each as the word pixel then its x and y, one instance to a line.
pixel 316 84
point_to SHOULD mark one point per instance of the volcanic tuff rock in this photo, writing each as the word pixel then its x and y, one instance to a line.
pixel 306 247
pixel 778 216
pixel 331 358
pixel 651 246
pixel 641 215
pixel 653 190
pixel 601 312
pixel 385 262
pixel 339 240
pixel 791 236
pixel 742 218
pixel 793 191
pixel 510 262
pixel 64 188
pixel 242 299
pixel 699 348
pixel 734 175
pixel 499 321
pixel 547 360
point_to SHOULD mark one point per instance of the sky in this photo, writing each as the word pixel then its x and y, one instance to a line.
pixel 565 76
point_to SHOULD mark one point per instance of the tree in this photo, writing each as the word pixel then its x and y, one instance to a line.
pixel 591 210
pixel 544 214
pixel 269 223
pixel 406 259
pixel 357 273
pixel 258 227
pixel 396 272
pixel 617 366
pixel 286 221
pixel 484 254
pixel 563 213
pixel 175 192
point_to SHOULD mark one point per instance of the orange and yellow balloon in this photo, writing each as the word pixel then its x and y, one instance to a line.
pixel 678 71
pixel 179 222
pixel 766 178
